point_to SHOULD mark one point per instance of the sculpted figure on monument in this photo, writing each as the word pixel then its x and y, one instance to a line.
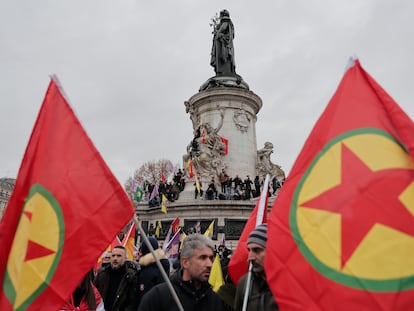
pixel 265 165
pixel 222 52
pixel 206 149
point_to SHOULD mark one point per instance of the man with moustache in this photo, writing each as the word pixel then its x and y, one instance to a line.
pixel 190 282
pixel 118 282
pixel 260 297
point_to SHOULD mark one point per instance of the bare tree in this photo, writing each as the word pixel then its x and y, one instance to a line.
pixel 150 172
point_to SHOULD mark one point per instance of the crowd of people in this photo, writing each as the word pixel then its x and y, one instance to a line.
pixel 171 190
pixel 236 188
pixel 225 188
pixel 140 285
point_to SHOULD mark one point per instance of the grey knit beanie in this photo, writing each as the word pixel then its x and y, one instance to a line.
pixel 258 235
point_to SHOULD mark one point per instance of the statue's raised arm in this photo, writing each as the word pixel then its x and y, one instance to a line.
pixel 222 52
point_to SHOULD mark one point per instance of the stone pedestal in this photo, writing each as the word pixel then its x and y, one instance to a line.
pixel 231 110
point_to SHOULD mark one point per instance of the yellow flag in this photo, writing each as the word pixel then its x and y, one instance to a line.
pixel 197 184
pixel 182 238
pixel 158 229
pixel 209 231
pixel 163 204
pixel 216 279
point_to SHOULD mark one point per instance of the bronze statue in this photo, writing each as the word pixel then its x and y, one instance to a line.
pixel 222 52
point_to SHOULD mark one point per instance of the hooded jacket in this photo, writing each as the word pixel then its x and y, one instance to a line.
pixel 150 275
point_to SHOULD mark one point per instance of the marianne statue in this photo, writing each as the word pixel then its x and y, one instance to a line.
pixel 222 52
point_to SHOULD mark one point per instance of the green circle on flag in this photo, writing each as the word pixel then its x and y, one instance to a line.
pixel 36 249
pixel 352 213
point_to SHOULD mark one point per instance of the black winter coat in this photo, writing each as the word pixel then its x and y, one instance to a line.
pixel 150 275
pixel 126 296
pixel 159 298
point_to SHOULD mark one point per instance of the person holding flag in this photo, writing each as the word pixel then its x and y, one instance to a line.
pixel 149 274
pixel 190 282
pixel 260 297
pixel 65 208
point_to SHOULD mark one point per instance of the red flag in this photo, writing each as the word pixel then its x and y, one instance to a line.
pixel 225 141
pixel 342 227
pixel 65 209
pixel 238 265
pixel 175 225
pixel 190 169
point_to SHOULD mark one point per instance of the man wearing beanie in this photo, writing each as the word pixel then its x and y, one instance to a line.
pixel 260 296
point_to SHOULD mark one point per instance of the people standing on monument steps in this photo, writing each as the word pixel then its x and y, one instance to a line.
pixel 198 192
pixel 248 187
pixel 237 181
pixel 223 179
pixel 211 191
pixel 256 186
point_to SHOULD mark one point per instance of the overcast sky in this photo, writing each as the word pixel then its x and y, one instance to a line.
pixel 127 67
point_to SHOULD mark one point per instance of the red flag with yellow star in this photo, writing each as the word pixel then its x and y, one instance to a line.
pixel 342 228
pixel 65 209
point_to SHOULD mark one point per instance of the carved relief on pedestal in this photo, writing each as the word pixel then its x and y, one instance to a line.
pixel 241 120
pixel 206 150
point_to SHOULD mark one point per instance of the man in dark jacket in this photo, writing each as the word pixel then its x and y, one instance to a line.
pixel 190 282
pixel 260 297
pixel 150 275
pixel 117 283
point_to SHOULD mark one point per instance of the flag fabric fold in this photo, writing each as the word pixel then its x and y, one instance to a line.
pixel 197 227
pixel 210 230
pixel 343 221
pixel 172 248
pixel 174 227
pixel 129 241
pixel 66 207
pixel 154 192
pixel 216 279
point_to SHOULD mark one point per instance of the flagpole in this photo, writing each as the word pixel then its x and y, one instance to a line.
pixel 259 219
pixel 160 267
pixel 248 285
